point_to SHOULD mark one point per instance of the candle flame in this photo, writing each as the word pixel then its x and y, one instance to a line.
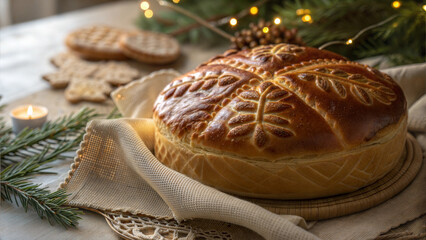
pixel 30 111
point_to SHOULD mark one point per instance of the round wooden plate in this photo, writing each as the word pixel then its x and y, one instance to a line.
pixel 387 187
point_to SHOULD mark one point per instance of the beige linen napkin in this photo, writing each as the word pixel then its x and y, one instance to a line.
pixel 116 171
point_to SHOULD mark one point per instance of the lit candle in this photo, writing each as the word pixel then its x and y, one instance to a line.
pixel 28 116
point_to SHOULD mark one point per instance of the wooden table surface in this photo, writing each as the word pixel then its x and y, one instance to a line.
pixel 25 50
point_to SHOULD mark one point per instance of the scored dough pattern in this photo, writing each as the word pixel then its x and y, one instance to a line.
pixel 328 79
pixel 251 120
pixel 280 52
pixel 256 113
pixel 319 179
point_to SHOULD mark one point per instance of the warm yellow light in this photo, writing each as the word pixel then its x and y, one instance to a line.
pixel 30 111
pixel 396 4
pixel 144 5
pixel 233 21
pixel 300 12
pixel 424 7
pixel 176 1
pixel 149 13
pixel 307 18
pixel 254 10
pixel 277 20
pixel 349 41
pixel 306 11
pixel 265 29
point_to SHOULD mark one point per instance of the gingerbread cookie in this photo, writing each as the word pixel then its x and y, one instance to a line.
pixel 116 73
pixel 68 70
pixel 63 58
pixel 87 89
pixel 150 47
pixel 96 43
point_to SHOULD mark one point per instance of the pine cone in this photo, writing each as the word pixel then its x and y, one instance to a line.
pixel 254 36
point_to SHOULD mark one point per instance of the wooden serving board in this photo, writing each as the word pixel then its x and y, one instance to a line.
pixel 385 188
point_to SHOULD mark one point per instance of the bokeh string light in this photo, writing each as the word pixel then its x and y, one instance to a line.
pixel 144 5
pixel 307 18
pixel 277 21
pixel 149 13
pixel 396 4
pixel 351 40
pixel 254 10
pixel 233 21
pixel 198 19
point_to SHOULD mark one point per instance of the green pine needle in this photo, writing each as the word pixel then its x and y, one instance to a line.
pixel 401 40
pixel 58 137
pixel 48 205
pixel 26 155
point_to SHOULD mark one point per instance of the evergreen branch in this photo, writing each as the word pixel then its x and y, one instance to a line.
pixel 359 33
pixel 216 13
pixel 196 18
pixel 58 137
pixel 36 148
pixel 15 187
pixel 335 19
pixel 50 205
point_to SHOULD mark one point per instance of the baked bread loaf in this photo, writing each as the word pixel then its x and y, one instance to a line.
pixel 281 122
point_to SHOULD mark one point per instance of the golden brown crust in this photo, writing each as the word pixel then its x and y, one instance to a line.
pixel 279 102
pixel 309 177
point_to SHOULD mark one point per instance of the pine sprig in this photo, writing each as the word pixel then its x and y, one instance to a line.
pixel 58 136
pixel 48 205
pixel 333 20
pixel 336 20
pixel 26 155
pixel 16 187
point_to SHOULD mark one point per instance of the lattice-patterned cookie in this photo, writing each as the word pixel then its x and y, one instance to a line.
pixel 150 47
pixel 96 43
pixel 87 89
pixel 281 121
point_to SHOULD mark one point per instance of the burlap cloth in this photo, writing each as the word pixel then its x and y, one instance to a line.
pixel 115 170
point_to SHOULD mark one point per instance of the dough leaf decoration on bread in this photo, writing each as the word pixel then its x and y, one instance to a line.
pixel 273 52
pixel 327 76
pixel 256 114
pixel 214 91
